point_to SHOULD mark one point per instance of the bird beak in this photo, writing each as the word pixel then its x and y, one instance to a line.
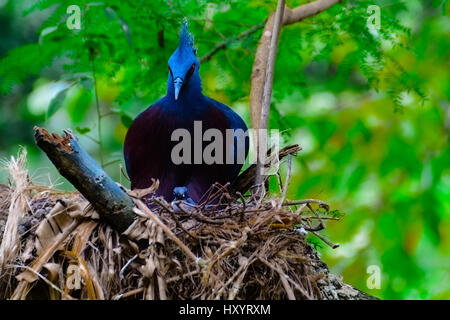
pixel 177 83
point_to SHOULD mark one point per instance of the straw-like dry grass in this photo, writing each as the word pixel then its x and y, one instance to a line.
pixel 54 247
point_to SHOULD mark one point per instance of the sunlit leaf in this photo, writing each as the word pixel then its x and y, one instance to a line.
pixel 126 120
pixel 57 102
pixel 82 130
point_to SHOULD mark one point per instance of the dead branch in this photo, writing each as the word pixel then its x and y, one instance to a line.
pixel 259 69
pixel 261 139
pixel 307 10
pixel 76 165
pixel 263 69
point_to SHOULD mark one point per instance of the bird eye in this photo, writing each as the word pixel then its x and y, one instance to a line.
pixel 191 70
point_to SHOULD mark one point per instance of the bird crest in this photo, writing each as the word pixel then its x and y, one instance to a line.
pixel 186 38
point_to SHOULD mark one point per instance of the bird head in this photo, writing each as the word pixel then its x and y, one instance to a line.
pixel 183 64
pixel 180 193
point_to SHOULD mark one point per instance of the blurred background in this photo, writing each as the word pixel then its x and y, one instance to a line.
pixel 368 104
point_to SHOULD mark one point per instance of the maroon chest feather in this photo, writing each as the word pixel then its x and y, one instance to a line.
pixel 148 148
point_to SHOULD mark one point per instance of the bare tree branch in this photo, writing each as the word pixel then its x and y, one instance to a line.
pixel 76 165
pixel 307 10
pixel 267 92
pixel 226 42
pixel 290 16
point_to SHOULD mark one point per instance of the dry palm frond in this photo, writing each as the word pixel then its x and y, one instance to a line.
pixel 18 208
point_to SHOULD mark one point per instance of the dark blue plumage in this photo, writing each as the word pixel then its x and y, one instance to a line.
pixel 148 144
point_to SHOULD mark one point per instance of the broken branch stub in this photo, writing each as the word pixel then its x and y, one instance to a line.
pixel 111 202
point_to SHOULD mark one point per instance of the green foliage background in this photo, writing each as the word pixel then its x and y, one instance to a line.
pixel 369 108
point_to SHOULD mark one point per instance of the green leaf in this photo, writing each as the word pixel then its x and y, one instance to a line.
pixel 56 103
pixel 111 14
pixel 82 130
pixel 87 83
pixel 126 120
pixel 356 177
pixel 79 106
pixel 45 32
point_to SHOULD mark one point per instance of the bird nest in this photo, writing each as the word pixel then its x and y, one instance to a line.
pixel 55 247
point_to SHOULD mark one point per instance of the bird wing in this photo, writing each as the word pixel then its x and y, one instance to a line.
pixel 147 151
pixel 235 122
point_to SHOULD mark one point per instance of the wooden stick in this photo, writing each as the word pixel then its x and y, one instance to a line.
pixel 166 230
pixel 84 173
pixel 261 139
pixel 259 68
pixel 247 178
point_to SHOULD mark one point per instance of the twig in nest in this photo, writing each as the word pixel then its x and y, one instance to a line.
pixel 240 272
pixel 202 218
pixel 184 276
pixel 280 181
pixel 328 242
pixel 320 226
pixel 169 233
pixel 211 197
pixel 230 247
pixel 51 284
pixel 140 193
pixel 174 217
pixel 306 201
pixel 284 277
pixel 242 212
pixel 288 179
pixel 126 265
pixel 323 218
pixel 128 294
